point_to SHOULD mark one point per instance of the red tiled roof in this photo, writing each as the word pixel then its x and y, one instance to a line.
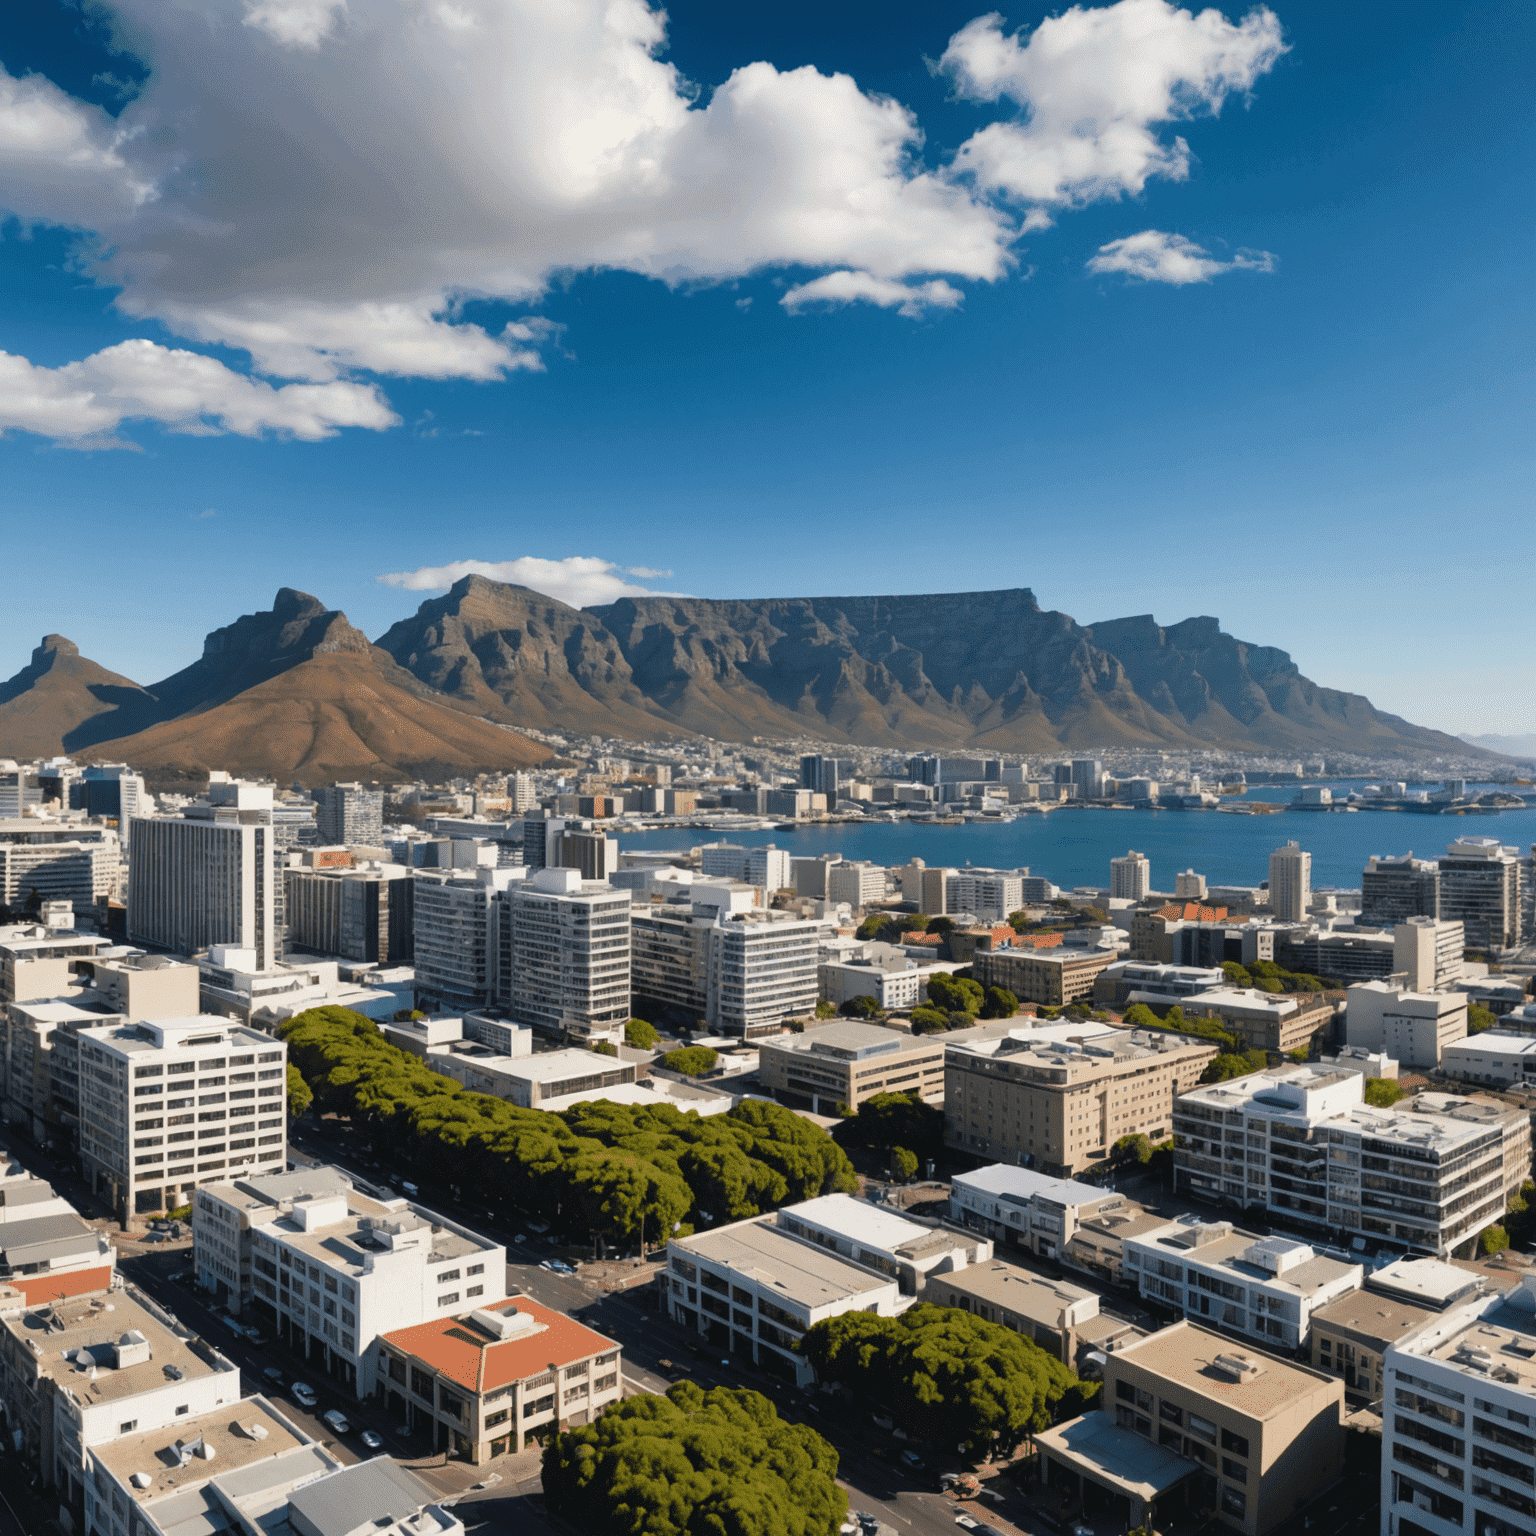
pixel 1192 912
pixel 75 1282
pixel 911 936
pixel 1038 940
pixel 459 1350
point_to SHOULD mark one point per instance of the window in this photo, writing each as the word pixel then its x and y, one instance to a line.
pixel 1237 1444
pixel 538 1405
pixel 1234 1503
pixel 421 1384
pixel 475 1269
pixel 448 1300
pixel 128 1426
pixel 1202 1427
pixel 1234 1469
pixel 185 1408
pixel 1171 1412
pixel 447 1275
pixel 499 1417
pixel 475 1290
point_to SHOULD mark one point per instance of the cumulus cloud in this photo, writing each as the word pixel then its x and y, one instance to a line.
pixel 580 580
pixel 294 23
pixel 837 288
pixel 84 402
pixel 1155 257
pixel 1092 88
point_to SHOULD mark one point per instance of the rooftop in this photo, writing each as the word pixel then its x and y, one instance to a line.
pixel 1373 1319
pixel 1274 1261
pixel 1427 1282
pixel 1186 1354
pixel 202 1030
pixel 801 1273
pixel 1498 1345
pixel 877 1227
pixel 852 1041
pixel 467 1352
pixel 1093 1443
pixel 1020 1185
pixel 1037 1297
pixel 377 1496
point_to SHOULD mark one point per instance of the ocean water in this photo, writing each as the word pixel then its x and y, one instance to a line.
pixel 1074 847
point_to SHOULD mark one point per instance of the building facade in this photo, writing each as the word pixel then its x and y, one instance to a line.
pixel 1480 889
pixel 847 1063
pixel 1290 883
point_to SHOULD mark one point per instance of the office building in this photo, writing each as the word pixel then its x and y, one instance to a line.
pixel 551 1080
pixel 1480 889
pixel 1458 1437
pixel 456 937
pixel 46 1251
pixel 847 1062
pixel 820 775
pixel 40 960
pixel 1265 1021
pixel 1053 977
pixel 1392 890
pixel 753 1288
pixel 1413 1028
pixel 882 1239
pixel 1194 1422
pixel 1290 883
pixel 332 1269
pixel 1423 1176
pixel 1496 1058
pixel 766 868
pixel 592 855
pixel 1428 953
pixel 1158 986
pixel 989 895
pixel 365 914
pixel 110 790
pixel 69 861
pixel 1028 1209
pixel 1337 958
pixel 172 1104
pixel 1058 1098
pixel 889 977
pixel 1265 1288
pixel 1188 886
pixel 499 1378
pixel 858 883
pixel 1087 778
pixel 1130 877
pixel 347 815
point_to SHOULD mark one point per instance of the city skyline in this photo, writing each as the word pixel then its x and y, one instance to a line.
pixel 1269 310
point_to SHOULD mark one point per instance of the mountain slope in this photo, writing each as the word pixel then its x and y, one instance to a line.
pixel 56 694
pixel 1523 747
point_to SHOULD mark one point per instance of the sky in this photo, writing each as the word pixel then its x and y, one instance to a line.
pixel 1148 310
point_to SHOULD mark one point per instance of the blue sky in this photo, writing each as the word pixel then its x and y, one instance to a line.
pixel 1326 441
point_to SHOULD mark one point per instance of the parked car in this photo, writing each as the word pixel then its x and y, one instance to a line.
pixel 304 1394
pixel 913 1462
pixel 372 1440
pixel 272 1376
pixel 337 1421
pixel 519 1237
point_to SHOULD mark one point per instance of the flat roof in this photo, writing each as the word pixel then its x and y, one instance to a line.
pixel 556 1066
pixel 374 1493
pixel 1037 1297
pixel 855 1041
pixel 462 1351
pixel 1019 1185
pixel 1185 1354
pixel 1425 1282
pixel 1492 1042
pixel 1230 1252
pixel 778 1262
pixel 1502 1339
pixel 873 1225
pixel 1368 1317
pixel 1093 1444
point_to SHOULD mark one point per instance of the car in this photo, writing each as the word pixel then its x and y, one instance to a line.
pixel 153 1237
pixel 666 1368
pixel 337 1421
pixel 913 1462
pixel 258 1339
pixel 304 1394
pixel 519 1237
pixel 272 1376
pixel 372 1439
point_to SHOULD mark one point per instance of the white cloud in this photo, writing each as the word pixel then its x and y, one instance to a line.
pixel 580 580
pixel 294 23
pixel 1155 257
pixel 1092 87
pixel 83 403
pixel 838 288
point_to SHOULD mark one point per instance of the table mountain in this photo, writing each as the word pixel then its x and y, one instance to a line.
pixel 58 693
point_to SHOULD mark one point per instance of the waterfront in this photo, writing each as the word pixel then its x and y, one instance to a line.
pixel 1073 846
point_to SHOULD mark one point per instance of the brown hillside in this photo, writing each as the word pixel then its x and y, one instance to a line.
pixel 340 715
pixel 56 693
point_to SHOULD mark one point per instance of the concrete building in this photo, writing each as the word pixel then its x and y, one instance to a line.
pixel 1028 1209
pixel 46 1251
pixel 753 1289
pixel 1495 1058
pixel 1097 1248
pixel 348 815
pixel 1265 1288
pixel 1480 889
pixel 1130 877
pixel 892 980
pixel 1193 1421
pixel 171 1104
pixel 1425 1177
pixel 457 939
pixel 1290 883
pixel 499 1378
pixel 857 882
pixel 1140 981
pixel 366 914
pixel 1458 1438
pixel 1428 952
pixel 1189 886
pixel 848 1062
pixel 1264 1021
pixel 990 896
pixel 64 859
pixel 42 960
pixel 1087 778
pixel 1393 890
pixel 820 775
pixel 1059 1098
pixel 766 868
pixel 332 1269
pixel 551 1080
pixel 1411 1027
pixel 1052 977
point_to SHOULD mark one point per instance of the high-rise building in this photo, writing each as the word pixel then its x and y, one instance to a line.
pixel 767 868
pixel 168 1105
pixel 1480 889
pixel 820 775
pixel 366 914
pixel 521 793
pixel 927 769
pixel 350 814
pixel 58 861
pixel 1290 883
pixel 1088 777
pixel 1394 889
pixel 1130 877
pixel 1428 952
pixel 590 853
pixel 989 895
pixel 456 938
pixel 1188 886
pixel 110 789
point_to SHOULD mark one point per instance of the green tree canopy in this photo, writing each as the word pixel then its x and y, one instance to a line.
pixel 694 1463
pixel 1229 1064
pixel 605 1048
pixel 1493 1239
pixel 943 1373
pixel 1383 1092
pixel 999 1003
pixel 690 1060
pixel 1131 1150
pixel 1237 975
pixel 299 1096
pixel 955 994
pixel 1479 1018
pixel 639 1035
pixel 929 1021
pixel 861 1007
pixel 941 925
pixel 903 1163
pixel 897 1119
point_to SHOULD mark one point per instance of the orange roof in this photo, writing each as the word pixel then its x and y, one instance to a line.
pixel 912 936
pixel 1192 912
pixel 1038 940
pixel 457 1349
pixel 75 1282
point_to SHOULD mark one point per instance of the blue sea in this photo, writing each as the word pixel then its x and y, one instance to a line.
pixel 1074 847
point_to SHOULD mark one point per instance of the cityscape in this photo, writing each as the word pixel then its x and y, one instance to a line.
pixel 766 770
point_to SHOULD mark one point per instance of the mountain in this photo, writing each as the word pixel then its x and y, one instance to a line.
pixel 297 693
pixel 1523 747
pixel 970 669
pixel 57 694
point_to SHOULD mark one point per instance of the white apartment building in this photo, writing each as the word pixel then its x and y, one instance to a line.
pixel 1263 1288
pixel 333 1269
pixel 1290 883
pixel 533 1081
pixel 990 896
pixel 1130 877
pixel 46 1251
pixel 858 882
pixel 456 934
pixel 194 883
pixel 349 814
pixel 1189 886
pixel 1458 1435
pixel 1495 1057
pixel 168 1105
pixel 60 860
pixel 1428 952
pixel 1480 887
pixel 1029 1209
pixel 893 981
pixel 766 868
pixel 1301 1143
pixel 1413 1028
pixel 761 969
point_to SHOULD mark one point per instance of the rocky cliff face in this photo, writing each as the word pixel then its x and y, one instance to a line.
pixel 980 669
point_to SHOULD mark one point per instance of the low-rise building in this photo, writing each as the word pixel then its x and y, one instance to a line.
pixel 1265 1288
pixel 848 1062
pixel 46 1251
pixel 1263 1021
pixel 1097 1248
pixel 894 981
pixel 1142 981
pixel 532 1082
pixel 1192 1421
pixel 1493 1057
pixel 496 1379
pixel 1052 977
pixel 1412 1027
pixel 1029 1209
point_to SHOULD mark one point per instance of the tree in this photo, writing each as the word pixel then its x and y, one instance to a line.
pixel 299 1096
pixel 943 925
pixel 690 1060
pixel 1019 921
pixel 999 1003
pixel 954 994
pixel 605 1048
pixel 943 1373
pixel 824 1009
pixel 861 1007
pixel 1383 1092
pixel 903 1164
pixel 1228 1064
pixel 639 1035
pixel 1493 1239
pixel 1131 1150
pixel 1237 975
pixel 1139 1016
pixel 1300 1054
pixel 929 1021
pixel 1479 1018
pixel 694 1461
